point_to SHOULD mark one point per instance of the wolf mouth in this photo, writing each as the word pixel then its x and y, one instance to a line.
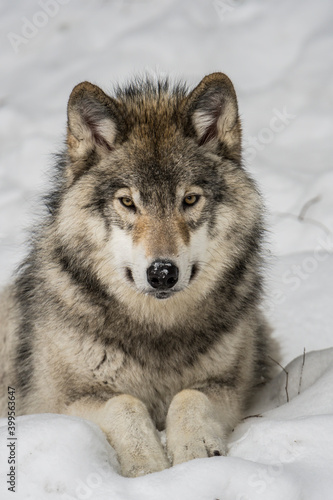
pixel 163 295
pixel 194 271
pixel 129 275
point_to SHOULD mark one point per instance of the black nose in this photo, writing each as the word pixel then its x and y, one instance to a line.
pixel 162 274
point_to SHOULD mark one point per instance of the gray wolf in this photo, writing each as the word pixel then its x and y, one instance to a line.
pixel 139 305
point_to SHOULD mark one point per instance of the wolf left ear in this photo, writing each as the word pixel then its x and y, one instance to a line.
pixel 213 113
pixel 93 124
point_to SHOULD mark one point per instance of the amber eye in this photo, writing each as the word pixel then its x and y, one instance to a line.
pixel 191 199
pixel 127 202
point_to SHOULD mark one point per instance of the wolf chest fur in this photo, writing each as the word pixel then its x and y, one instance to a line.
pixel 138 306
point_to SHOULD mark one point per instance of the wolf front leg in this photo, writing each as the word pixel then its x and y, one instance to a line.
pixel 129 429
pixel 198 423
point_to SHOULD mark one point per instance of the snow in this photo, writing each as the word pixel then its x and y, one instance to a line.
pixel 279 55
pixel 282 451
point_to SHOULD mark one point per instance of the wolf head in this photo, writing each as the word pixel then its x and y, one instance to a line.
pixel 154 201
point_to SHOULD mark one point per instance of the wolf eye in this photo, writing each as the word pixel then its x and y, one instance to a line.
pixel 127 202
pixel 191 199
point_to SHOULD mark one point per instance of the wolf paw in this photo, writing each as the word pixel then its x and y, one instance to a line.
pixel 193 428
pixel 198 446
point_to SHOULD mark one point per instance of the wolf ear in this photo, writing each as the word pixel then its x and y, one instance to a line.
pixel 213 113
pixel 93 119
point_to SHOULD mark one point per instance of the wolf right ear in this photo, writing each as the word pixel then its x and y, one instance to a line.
pixel 93 122
pixel 212 111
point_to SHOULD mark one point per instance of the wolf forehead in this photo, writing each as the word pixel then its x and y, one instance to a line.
pixel 160 178
pixel 161 166
pixel 154 129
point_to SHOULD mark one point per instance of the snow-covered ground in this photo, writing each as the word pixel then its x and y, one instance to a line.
pixel 279 54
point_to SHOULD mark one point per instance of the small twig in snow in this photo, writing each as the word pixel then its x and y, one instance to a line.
pixel 301 217
pixel 287 376
pixel 307 205
pixel 301 376
pixel 253 416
